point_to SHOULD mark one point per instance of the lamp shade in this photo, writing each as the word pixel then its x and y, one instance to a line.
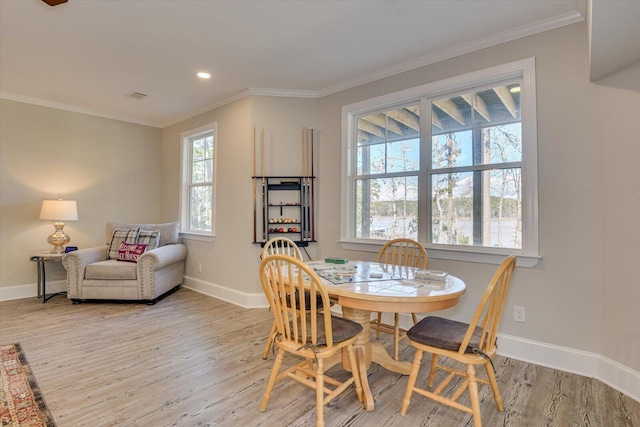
pixel 59 210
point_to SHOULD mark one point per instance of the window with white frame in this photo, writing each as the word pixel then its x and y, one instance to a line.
pixel 452 164
pixel 198 180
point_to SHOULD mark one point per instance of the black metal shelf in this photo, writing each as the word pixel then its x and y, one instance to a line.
pixel 298 206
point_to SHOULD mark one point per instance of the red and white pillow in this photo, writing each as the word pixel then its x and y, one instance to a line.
pixel 130 252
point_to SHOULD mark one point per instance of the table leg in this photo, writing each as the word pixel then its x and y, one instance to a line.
pixel 44 281
pixel 367 352
pixel 380 355
pixel 39 267
pixel 41 286
pixel 363 351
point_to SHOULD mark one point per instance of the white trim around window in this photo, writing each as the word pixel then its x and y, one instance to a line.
pixel 524 70
pixel 205 182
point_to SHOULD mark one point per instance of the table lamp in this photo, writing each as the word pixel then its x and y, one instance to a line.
pixel 58 211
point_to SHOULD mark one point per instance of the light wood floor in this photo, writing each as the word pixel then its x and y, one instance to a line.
pixel 193 360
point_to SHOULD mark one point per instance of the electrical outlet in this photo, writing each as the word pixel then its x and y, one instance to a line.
pixel 199 267
pixel 518 313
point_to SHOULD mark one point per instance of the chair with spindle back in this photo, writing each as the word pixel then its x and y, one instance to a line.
pixel 307 331
pixel 472 344
pixel 403 252
pixel 282 246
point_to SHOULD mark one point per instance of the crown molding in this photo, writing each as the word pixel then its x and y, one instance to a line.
pixel 482 43
pixel 229 100
pixel 74 109
pixel 252 91
pixel 286 93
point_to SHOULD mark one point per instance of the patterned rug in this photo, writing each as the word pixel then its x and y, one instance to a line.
pixel 21 404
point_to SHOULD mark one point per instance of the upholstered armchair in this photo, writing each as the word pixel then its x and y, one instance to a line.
pixel 129 271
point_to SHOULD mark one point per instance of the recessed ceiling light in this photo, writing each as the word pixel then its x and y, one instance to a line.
pixel 203 75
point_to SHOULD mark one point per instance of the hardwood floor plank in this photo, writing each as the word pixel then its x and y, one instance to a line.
pixel 192 360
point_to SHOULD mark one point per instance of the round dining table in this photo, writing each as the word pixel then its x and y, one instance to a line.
pixel 363 287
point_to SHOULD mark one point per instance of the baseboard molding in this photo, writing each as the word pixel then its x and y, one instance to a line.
pixel 588 364
pixel 610 372
pixel 30 290
pixel 243 299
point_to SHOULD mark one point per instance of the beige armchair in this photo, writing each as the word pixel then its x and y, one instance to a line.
pixel 96 274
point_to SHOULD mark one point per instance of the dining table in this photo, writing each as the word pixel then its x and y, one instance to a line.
pixel 363 287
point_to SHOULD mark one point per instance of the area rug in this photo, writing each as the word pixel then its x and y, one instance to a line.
pixel 21 404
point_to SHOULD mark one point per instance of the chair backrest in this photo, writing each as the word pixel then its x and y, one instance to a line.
pixel 284 277
pixel 282 246
pixel 405 252
pixel 487 316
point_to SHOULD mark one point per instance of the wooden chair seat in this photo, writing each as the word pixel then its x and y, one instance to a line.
pixel 444 333
pixel 342 329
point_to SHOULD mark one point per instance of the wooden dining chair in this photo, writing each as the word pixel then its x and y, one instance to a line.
pixel 306 331
pixel 472 344
pixel 283 246
pixel 403 252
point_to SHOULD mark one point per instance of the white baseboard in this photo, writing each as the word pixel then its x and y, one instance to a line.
pixel 588 364
pixel 243 299
pixel 610 372
pixel 30 290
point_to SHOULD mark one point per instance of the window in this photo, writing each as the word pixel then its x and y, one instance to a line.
pixel 198 181
pixel 452 164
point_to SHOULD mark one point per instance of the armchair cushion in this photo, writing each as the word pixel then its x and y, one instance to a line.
pixel 110 269
pixel 119 235
pixel 169 231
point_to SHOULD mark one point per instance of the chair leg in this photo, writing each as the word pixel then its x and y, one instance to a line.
pixel 494 386
pixel 413 376
pixel 272 335
pixel 415 318
pixel 473 395
pixel 432 371
pixel 396 334
pixel 378 324
pixel 320 393
pixel 272 379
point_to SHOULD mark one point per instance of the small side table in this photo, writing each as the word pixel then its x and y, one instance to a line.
pixel 40 259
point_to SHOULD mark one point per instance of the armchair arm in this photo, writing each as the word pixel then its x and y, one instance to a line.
pixel 75 262
pixel 159 267
pixel 162 256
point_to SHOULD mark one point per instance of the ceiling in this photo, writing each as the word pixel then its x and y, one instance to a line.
pixel 88 55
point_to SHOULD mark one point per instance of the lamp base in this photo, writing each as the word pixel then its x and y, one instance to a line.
pixel 58 239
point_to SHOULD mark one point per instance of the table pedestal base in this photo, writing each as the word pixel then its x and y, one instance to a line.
pixel 367 352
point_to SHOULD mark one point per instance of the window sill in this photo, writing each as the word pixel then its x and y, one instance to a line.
pixel 454 254
pixel 197 237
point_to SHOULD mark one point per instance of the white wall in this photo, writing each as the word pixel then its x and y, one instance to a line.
pixel 618 111
pixel 230 263
pixel 111 168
